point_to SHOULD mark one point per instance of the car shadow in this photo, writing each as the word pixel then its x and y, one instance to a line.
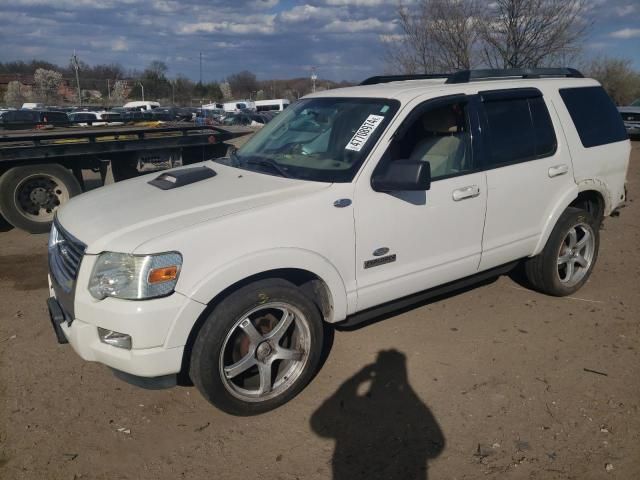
pixel 381 428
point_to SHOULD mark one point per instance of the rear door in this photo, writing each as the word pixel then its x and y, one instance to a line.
pixel 528 172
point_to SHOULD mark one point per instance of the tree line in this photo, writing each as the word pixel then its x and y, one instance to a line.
pixel 111 84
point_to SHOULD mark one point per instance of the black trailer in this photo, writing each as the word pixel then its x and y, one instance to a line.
pixel 42 169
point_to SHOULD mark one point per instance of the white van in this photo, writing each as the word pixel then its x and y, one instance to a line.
pixel 276 105
pixel 141 105
pixel 32 106
pixel 238 105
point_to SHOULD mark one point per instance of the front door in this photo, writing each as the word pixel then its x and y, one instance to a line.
pixel 411 241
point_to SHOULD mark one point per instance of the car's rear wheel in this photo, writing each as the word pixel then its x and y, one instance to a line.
pixel 568 258
pixel 258 348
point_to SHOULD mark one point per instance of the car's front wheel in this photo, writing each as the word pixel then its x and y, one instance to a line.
pixel 258 348
pixel 568 258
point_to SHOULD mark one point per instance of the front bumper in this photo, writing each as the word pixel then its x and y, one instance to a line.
pixel 632 128
pixel 153 325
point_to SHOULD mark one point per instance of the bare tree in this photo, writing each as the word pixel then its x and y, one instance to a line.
pixel 531 33
pixel 445 35
pixel 436 36
pixel 618 78
pixel 119 92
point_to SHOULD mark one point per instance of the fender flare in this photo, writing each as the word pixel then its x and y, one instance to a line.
pixel 553 217
pixel 582 186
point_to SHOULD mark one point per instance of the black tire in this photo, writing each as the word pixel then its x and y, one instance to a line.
pixel 213 345
pixel 30 195
pixel 544 272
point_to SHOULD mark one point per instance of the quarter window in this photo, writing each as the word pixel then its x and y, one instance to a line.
pixel 520 129
pixel 596 118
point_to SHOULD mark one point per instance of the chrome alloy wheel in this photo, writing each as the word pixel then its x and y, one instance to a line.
pixel 576 254
pixel 38 197
pixel 265 352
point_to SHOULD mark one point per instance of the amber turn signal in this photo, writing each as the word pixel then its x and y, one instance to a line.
pixel 163 274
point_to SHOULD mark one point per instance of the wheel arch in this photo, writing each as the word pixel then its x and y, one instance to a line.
pixel 310 283
pixel 591 196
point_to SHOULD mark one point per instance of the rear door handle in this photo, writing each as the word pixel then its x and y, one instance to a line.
pixel 558 170
pixel 466 192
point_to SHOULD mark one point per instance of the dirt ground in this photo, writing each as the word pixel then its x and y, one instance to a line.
pixel 495 382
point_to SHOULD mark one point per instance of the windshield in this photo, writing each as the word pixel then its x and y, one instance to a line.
pixel 319 139
pixel 636 103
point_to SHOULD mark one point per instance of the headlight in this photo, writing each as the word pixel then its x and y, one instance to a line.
pixel 134 277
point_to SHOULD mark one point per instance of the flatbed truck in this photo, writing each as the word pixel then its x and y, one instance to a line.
pixel 41 169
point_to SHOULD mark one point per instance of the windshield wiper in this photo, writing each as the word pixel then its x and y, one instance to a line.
pixel 267 162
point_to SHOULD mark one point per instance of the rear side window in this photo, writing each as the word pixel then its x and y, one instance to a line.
pixel 520 129
pixel 596 118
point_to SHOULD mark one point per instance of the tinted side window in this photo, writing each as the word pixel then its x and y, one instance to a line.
pixel 520 129
pixel 546 142
pixel 511 136
pixel 596 118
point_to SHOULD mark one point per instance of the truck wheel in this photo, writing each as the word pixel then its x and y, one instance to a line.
pixel 30 195
pixel 258 348
pixel 569 256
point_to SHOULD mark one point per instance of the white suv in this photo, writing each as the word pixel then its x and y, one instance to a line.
pixel 350 202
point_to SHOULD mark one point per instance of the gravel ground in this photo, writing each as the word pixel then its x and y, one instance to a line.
pixel 494 382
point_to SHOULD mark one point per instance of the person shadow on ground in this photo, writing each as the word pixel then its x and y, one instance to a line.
pixel 381 427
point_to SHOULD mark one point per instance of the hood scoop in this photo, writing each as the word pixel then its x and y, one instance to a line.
pixel 182 177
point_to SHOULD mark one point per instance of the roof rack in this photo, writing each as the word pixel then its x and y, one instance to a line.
pixel 400 78
pixel 466 76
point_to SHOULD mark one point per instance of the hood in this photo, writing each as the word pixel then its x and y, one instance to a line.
pixel 629 109
pixel 124 215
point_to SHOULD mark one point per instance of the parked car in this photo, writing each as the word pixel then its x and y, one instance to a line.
pixel 350 203
pixel 631 118
pixel 84 119
pixel 17 119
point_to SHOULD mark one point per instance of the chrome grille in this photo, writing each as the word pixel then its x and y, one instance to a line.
pixel 65 255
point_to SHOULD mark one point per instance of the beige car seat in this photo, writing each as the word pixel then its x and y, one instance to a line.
pixel 443 146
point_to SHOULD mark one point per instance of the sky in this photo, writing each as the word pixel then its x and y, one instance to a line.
pixel 272 38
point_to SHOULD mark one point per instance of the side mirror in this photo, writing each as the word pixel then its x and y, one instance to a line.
pixel 403 175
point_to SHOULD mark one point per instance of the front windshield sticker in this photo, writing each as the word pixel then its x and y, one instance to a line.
pixel 364 132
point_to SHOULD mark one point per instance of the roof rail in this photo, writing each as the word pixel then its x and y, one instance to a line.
pixel 466 76
pixel 400 78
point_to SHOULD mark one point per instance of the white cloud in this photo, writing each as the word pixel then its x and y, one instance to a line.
pixel 359 3
pixel 625 10
pixel 626 33
pixel 264 3
pixel 365 25
pixel 253 27
pixel 303 13
pixel 119 45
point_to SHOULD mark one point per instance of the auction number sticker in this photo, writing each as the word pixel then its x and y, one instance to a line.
pixel 364 132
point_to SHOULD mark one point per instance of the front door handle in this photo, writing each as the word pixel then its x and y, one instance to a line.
pixel 557 170
pixel 466 192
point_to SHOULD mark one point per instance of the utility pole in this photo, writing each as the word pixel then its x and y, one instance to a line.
pixel 109 91
pixel 142 87
pixel 200 68
pixel 173 93
pixel 314 77
pixel 76 66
